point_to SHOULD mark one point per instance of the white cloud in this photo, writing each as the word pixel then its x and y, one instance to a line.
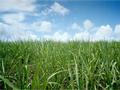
pixel 43 26
pixel 7 32
pixel 57 8
pixel 88 24
pixel 13 18
pixel 104 32
pixel 17 30
pixel 82 36
pixel 117 29
pixel 15 21
pixel 25 35
pixel 17 5
pixel 58 36
pixel 20 26
pixel 76 26
pixel 117 32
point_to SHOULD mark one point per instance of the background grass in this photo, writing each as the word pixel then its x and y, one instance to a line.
pixel 49 65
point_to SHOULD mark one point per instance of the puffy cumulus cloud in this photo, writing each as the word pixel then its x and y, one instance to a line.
pixel 82 36
pixel 76 26
pixel 11 34
pixel 43 26
pixel 13 18
pixel 88 24
pixel 58 36
pixel 104 31
pixel 17 5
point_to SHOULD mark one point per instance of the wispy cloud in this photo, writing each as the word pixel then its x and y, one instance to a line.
pixel 13 18
pixel 56 8
pixel 17 5
pixel 76 26
pixel 42 26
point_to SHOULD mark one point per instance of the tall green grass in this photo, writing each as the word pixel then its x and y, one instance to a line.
pixel 48 65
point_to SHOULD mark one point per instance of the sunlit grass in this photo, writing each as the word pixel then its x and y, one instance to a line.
pixel 35 65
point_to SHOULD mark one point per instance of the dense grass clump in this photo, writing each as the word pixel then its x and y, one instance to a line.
pixel 49 65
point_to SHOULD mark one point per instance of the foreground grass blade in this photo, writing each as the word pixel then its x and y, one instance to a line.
pixel 54 74
pixel 6 81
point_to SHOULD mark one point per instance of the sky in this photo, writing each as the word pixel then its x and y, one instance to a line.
pixel 59 20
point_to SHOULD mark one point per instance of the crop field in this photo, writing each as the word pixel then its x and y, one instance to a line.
pixel 49 65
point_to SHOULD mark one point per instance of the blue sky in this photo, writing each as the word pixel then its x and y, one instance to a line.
pixel 59 20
